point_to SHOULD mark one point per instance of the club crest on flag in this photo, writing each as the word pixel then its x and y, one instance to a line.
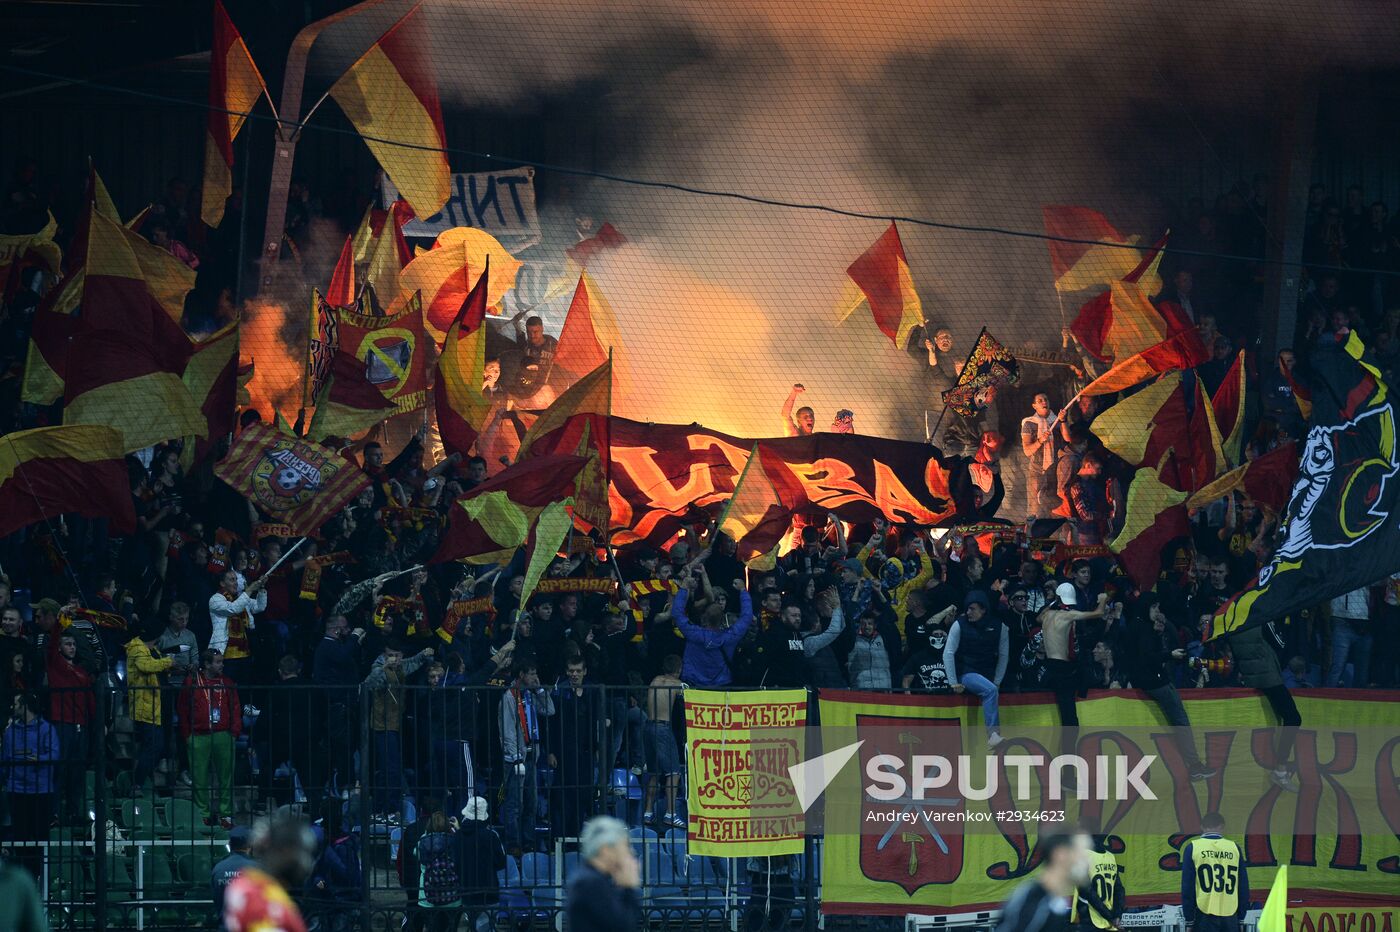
pixel 1340 485
pixel 289 474
pixel 919 852
pixel 387 355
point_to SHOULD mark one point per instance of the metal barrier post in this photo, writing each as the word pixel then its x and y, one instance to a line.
pixel 99 809
pixel 362 702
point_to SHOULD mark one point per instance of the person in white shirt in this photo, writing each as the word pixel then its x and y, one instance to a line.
pixel 231 616
pixel 1037 443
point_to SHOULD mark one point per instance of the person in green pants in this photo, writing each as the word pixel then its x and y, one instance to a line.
pixel 211 719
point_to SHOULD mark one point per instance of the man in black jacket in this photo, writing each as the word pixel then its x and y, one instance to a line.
pixel 336 668
pixel 603 892
pixel 1152 644
pixel 781 654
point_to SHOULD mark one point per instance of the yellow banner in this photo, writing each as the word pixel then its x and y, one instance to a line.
pixel 1343 918
pixel 963 870
pixel 741 800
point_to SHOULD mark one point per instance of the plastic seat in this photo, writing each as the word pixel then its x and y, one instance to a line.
pixel 159 881
pixel 138 818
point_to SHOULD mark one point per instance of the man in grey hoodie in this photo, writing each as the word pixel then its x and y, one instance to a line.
pixel 822 665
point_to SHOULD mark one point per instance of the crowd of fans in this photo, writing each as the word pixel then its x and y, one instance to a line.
pixel 177 659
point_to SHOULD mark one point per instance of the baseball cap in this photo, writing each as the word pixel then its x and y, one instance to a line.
pixel 45 605
pixel 977 597
pixel 1066 594
pixel 238 836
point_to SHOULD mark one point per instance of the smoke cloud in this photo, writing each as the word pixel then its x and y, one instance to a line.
pixel 956 111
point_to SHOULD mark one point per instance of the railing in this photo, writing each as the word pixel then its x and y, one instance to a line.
pixel 362 764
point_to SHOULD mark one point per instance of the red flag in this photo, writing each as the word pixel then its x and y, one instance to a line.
pixel 1266 479
pixel 341 291
pixel 589 249
pixel 1228 403
pixel 1207 456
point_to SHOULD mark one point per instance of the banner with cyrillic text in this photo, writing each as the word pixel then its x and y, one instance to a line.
pixel 741 799
pixel 501 203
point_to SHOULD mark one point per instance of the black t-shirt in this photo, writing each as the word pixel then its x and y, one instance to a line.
pixel 926 666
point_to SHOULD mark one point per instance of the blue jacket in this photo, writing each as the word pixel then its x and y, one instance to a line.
pixel 27 754
pixel 708 650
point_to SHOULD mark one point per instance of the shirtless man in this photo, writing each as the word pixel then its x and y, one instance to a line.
pixel 663 758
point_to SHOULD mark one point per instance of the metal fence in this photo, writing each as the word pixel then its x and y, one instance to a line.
pixel 130 817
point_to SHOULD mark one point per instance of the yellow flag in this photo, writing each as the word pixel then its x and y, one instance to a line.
pixel 1273 918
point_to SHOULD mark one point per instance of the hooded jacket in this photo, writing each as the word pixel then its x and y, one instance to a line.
pixel 709 650
pixel 143 670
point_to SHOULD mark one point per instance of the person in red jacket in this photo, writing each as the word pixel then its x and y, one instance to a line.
pixel 211 719
pixel 72 705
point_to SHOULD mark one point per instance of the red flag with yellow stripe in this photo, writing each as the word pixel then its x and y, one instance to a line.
pixel 390 95
pixel 1087 250
pixel 496 518
pixel 51 471
pixel 882 275
pixel 234 88
pixel 457 391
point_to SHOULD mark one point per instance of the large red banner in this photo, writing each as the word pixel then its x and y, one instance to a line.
pixel 662 475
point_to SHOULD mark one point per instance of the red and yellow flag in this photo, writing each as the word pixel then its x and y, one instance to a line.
pixel 212 379
pixel 590 331
pixel 392 350
pixel 448 271
pixel 51 471
pixel 579 423
pixel 1144 426
pixel 1097 259
pixel 458 399
pixel 496 518
pixel 1207 456
pixel 1155 515
pixel 297 482
pixel 1266 479
pixel 234 88
pixel 23 251
pixel 124 383
pixel 390 95
pixel 1182 350
pixel 1120 322
pixel 755 517
pixel 882 275
pixel 1228 402
pixel 348 404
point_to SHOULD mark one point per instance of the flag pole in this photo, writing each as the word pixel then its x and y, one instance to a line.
pixel 966 362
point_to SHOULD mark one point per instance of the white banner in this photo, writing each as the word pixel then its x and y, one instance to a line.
pixel 501 203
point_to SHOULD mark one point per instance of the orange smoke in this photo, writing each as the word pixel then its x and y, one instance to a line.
pixel 278 369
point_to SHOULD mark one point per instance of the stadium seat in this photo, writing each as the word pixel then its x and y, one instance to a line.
pixel 138 818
